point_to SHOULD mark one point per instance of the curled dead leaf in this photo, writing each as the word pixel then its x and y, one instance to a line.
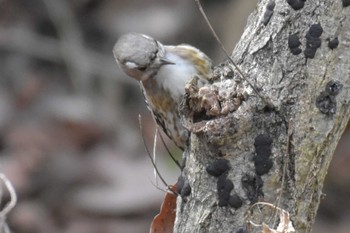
pixel 164 221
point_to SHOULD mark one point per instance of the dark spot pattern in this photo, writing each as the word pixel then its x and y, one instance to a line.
pixel 346 3
pixel 180 184
pixel 218 167
pixel 296 4
pixel 186 190
pixel 294 43
pixel 183 187
pixel 269 12
pixel 224 184
pixel 241 230
pixel 315 30
pixel 332 44
pixel 235 201
pixel 326 101
pixel 262 139
pixel 262 160
pixel 313 42
pixel 262 165
pixel 334 87
pixel 252 185
pixel 224 187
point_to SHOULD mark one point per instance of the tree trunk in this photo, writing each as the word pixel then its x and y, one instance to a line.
pixel 243 151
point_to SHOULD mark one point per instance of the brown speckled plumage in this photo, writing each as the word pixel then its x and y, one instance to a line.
pixel 163 72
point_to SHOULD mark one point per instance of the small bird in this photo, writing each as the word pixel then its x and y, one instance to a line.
pixel 163 72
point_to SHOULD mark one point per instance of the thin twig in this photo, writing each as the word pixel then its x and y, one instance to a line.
pixel 13 197
pixel 267 102
pixel 159 188
pixel 149 154
pixel 167 149
pixel 155 153
pixel 285 164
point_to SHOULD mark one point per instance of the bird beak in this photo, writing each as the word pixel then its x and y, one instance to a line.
pixel 165 61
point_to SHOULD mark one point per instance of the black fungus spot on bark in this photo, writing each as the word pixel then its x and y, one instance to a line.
pixel 294 43
pixel 224 184
pixel 346 3
pixel 252 185
pixel 222 202
pixel 296 4
pixel 241 230
pixel 223 196
pixel 218 167
pixel 186 190
pixel 315 30
pixel 271 5
pixel 310 52
pixel 334 87
pixel 269 12
pixel 326 103
pixel 332 44
pixel 235 201
pixel 296 51
pixel 224 187
pixel 180 183
pixel 262 140
pixel 263 151
pixel 313 42
pixel 267 16
pixel 183 187
pixel 262 165
pixel 262 161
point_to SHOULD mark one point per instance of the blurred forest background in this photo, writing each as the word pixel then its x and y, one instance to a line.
pixel 69 133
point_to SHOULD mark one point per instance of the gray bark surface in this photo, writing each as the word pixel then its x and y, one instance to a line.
pixel 228 121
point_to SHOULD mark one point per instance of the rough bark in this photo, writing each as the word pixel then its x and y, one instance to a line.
pixel 275 152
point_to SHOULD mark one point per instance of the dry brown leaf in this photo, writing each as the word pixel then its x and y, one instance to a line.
pixel 164 221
